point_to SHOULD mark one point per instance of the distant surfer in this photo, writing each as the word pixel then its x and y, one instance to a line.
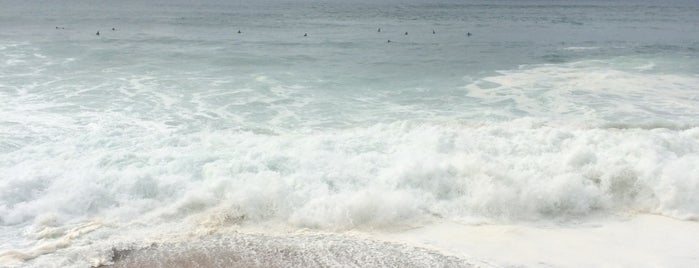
pixel 305 34
pixel 389 41
pixel 406 33
pixel 379 30
pixel 98 33
pixel 468 34
pixel 433 32
pixel 113 29
pixel 239 31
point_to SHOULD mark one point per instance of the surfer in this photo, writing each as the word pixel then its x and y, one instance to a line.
pixel 406 33
pixel 113 29
pixel 379 30
pixel 98 33
pixel 305 34
pixel 389 41
pixel 239 31
pixel 433 32
pixel 468 34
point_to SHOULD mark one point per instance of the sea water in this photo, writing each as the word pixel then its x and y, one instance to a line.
pixel 488 112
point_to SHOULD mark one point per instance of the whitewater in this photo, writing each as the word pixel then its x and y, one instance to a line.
pixel 484 134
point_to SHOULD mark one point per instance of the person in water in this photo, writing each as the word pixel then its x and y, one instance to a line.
pixel 239 31
pixel 389 41
pixel 433 32
pixel 468 34
pixel 379 30
pixel 406 33
pixel 98 33
pixel 305 34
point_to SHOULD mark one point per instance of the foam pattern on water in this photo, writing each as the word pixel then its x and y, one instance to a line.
pixel 386 175
pixel 112 153
pixel 619 90
pixel 380 175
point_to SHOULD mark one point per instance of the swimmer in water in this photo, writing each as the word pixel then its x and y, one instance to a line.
pixel 98 33
pixel 379 30
pixel 305 34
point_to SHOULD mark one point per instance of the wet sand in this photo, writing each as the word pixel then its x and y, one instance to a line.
pixel 253 250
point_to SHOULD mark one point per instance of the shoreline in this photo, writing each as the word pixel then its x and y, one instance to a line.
pixel 641 240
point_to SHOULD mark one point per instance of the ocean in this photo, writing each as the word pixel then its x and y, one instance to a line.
pixel 275 133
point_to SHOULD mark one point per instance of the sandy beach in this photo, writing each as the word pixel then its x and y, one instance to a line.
pixel 637 241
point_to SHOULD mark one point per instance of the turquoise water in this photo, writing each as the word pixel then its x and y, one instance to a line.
pixel 549 111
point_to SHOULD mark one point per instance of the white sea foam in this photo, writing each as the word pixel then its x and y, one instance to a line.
pixel 400 174
pixel 593 91
pixel 385 174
